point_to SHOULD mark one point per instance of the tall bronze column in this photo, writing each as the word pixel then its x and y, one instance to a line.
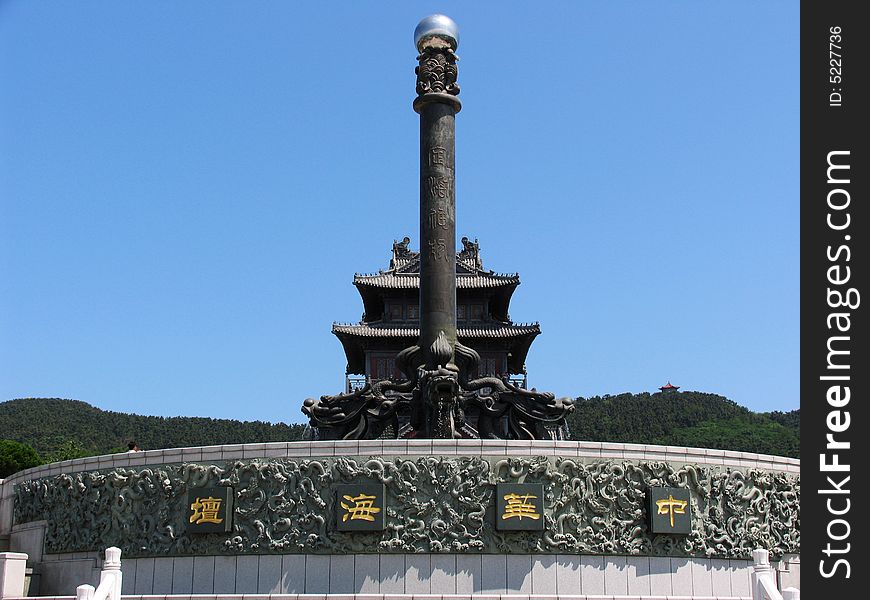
pixel 437 38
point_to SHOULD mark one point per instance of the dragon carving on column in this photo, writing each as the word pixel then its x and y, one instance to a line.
pixel 440 403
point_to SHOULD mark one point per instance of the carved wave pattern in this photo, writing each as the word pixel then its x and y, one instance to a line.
pixel 434 504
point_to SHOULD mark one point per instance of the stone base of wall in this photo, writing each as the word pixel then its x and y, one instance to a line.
pixel 416 574
pixel 404 597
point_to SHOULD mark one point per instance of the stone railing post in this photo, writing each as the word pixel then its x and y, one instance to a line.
pixel 110 579
pixel 110 576
pixel 764 580
pixel 12 566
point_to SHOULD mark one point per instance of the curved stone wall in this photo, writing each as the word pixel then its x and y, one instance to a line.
pixel 439 493
pixel 439 505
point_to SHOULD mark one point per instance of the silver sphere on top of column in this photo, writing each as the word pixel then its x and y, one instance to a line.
pixel 436 27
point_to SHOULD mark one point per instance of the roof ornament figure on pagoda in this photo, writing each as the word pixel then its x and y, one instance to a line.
pixel 421 380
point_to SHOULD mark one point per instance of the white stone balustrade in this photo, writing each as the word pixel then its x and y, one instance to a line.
pixel 764 580
pixel 110 580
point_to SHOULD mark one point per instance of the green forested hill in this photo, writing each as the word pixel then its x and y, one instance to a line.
pixel 685 419
pixel 64 428
pixel 60 429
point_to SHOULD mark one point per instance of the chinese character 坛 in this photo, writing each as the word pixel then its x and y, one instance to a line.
pixel 519 506
pixel 671 506
pixel 205 510
pixel 363 508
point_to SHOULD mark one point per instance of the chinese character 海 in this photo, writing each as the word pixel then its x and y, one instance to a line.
pixel 671 506
pixel 519 506
pixel 205 510
pixel 363 508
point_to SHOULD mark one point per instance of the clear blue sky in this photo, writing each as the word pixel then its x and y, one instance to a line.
pixel 186 189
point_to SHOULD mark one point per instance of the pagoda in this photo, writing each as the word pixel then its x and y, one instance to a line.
pixel 391 321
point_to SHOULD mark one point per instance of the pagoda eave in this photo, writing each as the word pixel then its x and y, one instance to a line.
pixel 355 338
pixel 373 294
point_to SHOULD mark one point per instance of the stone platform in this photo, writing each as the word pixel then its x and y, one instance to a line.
pixel 439 536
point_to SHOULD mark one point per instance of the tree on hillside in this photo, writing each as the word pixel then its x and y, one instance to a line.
pixel 15 457
pixel 69 450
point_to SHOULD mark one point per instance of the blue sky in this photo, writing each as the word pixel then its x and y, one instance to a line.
pixel 186 189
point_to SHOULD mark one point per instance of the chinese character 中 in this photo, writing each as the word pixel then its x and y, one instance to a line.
pixel 671 506
pixel 363 508
pixel 519 506
pixel 205 510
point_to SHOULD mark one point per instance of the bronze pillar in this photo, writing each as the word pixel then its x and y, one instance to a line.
pixel 436 38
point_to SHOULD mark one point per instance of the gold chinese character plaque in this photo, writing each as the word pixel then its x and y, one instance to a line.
pixel 360 507
pixel 670 510
pixel 519 506
pixel 209 509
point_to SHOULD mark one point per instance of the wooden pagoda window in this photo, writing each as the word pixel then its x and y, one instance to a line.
pixel 460 312
pixel 488 367
pixel 413 312
pixel 477 312
pixel 384 368
pixel 395 312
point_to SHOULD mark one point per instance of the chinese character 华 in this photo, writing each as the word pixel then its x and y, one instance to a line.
pixel 363 508
pixel 520 506
pixel 205 510
pixel 671 506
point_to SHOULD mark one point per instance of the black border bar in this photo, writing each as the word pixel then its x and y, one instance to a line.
pixel 835 226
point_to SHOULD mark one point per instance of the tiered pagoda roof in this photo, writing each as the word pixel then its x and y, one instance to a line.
pixel 402 280
pixel 404 274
